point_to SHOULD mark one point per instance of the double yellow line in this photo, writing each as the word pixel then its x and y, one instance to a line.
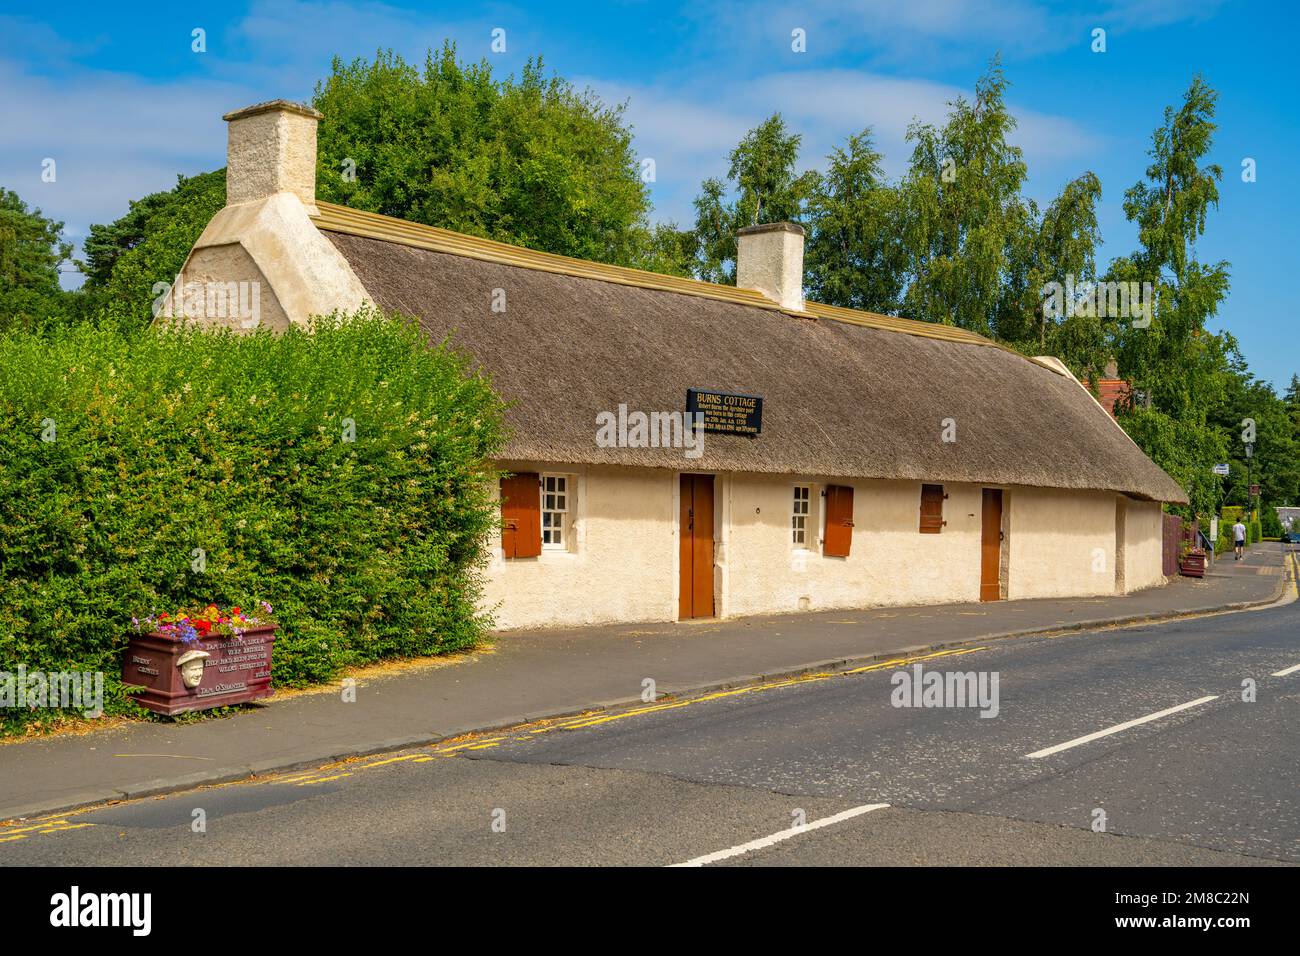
pixel 590 721
pixel 40 828
pixel 583 721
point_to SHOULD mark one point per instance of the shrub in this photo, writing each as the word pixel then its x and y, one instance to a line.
pixel 1270 523
pixel 190 467
pixel 1254 533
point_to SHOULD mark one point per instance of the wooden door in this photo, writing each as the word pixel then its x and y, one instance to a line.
pixel 991 546
pixel 696 590
pixel 839 521
pixel 521 518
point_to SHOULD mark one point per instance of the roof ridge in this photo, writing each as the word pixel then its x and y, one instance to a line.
pixel 372 225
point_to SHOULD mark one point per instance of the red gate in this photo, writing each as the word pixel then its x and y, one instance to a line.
pixel 1173 536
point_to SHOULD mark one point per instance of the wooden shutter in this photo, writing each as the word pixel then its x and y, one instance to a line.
pixel 839 521
pixel 932 509
pixel 521 516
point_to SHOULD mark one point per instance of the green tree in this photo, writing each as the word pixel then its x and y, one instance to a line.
pixel 1064 247
pixel 107 244
pixel 1178 368
pixel 957 241
pixel 665 249
pixel 854 256
pixel 1275 464
pixel 31 251
pixel 128 257
pixel 966 226
pixel 1291 402
pixel 764 187
pixel 531 161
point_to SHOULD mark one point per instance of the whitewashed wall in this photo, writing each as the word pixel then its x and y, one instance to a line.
pixel 622 562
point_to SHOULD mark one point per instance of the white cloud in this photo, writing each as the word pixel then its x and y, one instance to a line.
pixel 928 33
pixel 288 44
pixel 23 35
pixel 118 136
pixel 114 138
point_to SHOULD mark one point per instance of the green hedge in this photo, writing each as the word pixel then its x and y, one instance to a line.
pixel 168 442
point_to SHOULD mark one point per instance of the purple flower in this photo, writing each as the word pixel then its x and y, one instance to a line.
pixel 266 607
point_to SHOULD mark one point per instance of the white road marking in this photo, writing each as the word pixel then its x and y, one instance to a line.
pixel 775 838
pixel 1289 670
pixel 1047 752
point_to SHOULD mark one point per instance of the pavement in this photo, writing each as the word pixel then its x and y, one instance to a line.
pixel 527 676
pixel 1164 744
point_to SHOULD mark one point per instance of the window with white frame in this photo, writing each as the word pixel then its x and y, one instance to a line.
pixel 555 512
pixel 799 515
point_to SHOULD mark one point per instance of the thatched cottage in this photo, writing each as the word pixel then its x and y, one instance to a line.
pixel 845 459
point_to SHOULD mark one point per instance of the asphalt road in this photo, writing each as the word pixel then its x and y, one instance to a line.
pixel 1215 783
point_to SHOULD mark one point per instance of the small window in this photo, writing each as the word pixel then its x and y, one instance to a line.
pixel 932 509
pixel 555 511
pixel 799 517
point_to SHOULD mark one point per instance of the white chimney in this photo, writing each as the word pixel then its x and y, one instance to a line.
pixel 271 148
pixel 769 259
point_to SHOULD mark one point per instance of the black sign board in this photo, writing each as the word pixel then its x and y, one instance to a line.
pixel 726 413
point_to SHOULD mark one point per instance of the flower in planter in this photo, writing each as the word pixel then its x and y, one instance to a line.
pixel 189 626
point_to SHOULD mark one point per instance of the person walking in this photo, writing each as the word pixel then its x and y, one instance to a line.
pixel 1239 536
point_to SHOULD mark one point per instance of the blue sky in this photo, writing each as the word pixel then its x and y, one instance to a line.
pixel 119 99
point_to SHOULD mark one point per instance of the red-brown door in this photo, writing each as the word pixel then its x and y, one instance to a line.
pixel 839 521
pixel 991 546
pixel 696 598
pixel 521 520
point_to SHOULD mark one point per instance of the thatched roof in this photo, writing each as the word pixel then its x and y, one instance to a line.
pixel 845 394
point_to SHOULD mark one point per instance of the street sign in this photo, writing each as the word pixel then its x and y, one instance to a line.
pixel 1221 470
pixel 1254 491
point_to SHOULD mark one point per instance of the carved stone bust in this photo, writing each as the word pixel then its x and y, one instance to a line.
pixel 191 665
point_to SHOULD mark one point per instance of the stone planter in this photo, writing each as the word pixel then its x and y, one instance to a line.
pixel 222 670
pixel 1193 566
